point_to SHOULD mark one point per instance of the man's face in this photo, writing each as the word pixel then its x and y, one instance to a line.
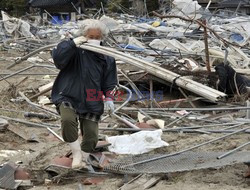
pixel 94 34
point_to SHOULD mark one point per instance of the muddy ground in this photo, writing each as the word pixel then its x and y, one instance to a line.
pixel 49 147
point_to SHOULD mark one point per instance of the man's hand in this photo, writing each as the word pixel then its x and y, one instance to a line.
pixel 80 40
pixel 109 104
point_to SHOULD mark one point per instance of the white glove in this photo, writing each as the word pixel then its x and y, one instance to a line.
pixel 109 105
pixel 80 40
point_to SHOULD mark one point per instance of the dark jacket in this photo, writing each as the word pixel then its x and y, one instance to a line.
pixel 229 80
pixel 83 76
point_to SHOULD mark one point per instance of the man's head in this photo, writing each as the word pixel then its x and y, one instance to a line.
pixel 93 29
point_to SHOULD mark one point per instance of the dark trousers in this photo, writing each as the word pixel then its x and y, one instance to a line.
pixel 89 129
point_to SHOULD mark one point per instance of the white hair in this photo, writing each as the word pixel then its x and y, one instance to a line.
pixel 93 24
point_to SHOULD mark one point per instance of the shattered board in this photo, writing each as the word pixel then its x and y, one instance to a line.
pixel 182 162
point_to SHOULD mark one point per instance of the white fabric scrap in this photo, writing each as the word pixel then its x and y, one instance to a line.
pixel 35 59
pixel 137 143
pixel 186 8
pixel 109 22
pixel 134 42
pixel 12 25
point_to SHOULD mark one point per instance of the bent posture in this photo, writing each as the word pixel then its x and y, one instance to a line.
pixel 77 92
pixel 231 82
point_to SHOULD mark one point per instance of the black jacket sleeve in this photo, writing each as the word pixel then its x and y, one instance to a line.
pixel 63 53
pixel 110 77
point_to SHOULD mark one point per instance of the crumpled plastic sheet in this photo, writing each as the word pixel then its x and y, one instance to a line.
pixel 186 8
pixel 137 143
pixel 192 47
pixel 13 25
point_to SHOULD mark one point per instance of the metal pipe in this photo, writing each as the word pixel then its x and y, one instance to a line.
pixel 151 92
pixel 176 130
pixel 11 110
pixel 55 134
pixel 132 84
pixel 4 74
pixel 188 109
pixel 17 72
pixel 38 106
pixel 51 16
pixel 248 111
pixel 188 149
pixel 238 7
pixel 208 5
pixel 25 69
pixel 31 54
pixel 187 98
pixel 232 151
pixel 180 118
pixel 125 121
pixel 30 123
pixel 122 105
pixel 144 113
pixel 235 126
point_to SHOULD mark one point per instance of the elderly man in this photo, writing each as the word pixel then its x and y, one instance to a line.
pixel 77 92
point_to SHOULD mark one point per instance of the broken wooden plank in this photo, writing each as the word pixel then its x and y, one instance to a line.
pixel 153 181
pixel 23 133
pixel 41 92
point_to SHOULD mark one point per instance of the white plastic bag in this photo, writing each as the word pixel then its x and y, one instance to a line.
pixel 137 143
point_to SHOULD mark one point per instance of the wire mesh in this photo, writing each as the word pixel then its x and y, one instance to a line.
pixel 183 162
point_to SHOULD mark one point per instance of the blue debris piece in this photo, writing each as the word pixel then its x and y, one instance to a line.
pixel 146 20
pixel 150 21
pixel 236 37
pixel 56 20
pixel 127 46
pixel 163 24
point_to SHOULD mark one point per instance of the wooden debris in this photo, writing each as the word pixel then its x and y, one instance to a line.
pixel 43 90
pixel 21 132
pixel 142 181
pixel 153 181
